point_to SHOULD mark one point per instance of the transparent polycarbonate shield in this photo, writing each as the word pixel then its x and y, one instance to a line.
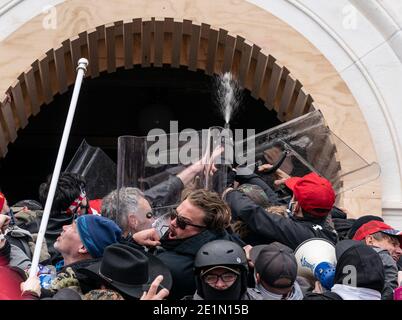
pixel 152 164
pixel 96 167
pixel 306 144
pixel 217 158
pixel 349 170
pixel 130 161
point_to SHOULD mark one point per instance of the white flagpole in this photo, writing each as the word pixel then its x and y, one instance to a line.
pixel 82 68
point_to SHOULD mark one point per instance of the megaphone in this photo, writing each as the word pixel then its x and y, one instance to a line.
pixel 316 259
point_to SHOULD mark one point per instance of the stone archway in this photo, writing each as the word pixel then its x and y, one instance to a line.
pixel 156 42
pixel 259 38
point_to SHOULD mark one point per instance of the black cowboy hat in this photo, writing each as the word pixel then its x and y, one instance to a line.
pixel 128 270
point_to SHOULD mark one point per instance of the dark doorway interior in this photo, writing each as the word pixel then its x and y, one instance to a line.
pixel 127 102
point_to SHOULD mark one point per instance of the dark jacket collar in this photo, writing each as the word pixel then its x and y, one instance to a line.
pixel 193 244
pixel 80 264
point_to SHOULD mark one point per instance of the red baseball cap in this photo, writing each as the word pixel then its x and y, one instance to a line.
pixel 2 201
pixel 375 226
pixel 313 192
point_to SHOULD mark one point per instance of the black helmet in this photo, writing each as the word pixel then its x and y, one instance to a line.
pixel 220 252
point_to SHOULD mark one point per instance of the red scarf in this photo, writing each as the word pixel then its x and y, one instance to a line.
pixel 73 208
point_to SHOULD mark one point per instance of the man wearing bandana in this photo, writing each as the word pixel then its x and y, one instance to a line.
pixel 69 202
pixel 221 273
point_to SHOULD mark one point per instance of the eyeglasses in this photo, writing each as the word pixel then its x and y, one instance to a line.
pixel 182 222
pixel 225 277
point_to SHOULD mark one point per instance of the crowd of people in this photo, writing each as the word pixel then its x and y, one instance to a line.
pixel 236 245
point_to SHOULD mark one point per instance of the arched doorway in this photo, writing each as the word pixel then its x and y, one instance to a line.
pixel 154 43
pixel 261 33
pixel 126 102
pixel 137 63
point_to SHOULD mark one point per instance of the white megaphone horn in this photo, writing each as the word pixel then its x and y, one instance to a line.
pixel 316 260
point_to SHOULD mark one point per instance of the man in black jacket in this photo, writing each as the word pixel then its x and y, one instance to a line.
pixel 386 241
pixel 359 274
pixel 313 198
pixel 134 210
pixel 202 217
pixel 69 200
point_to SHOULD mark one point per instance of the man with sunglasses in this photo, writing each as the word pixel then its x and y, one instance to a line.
pixel 132 209
pixel 202 217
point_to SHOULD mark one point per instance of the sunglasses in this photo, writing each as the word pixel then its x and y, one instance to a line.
pixel 181 222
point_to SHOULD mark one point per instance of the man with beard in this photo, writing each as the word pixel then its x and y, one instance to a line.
pixel 134 210
pixel 202 217
pixel 359 274
pixel 221 273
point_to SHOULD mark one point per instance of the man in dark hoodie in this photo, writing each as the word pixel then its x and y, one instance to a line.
pixel 69 200
pixel 134 210
pixel 359 274
pixel 313 199
pixel 202 217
